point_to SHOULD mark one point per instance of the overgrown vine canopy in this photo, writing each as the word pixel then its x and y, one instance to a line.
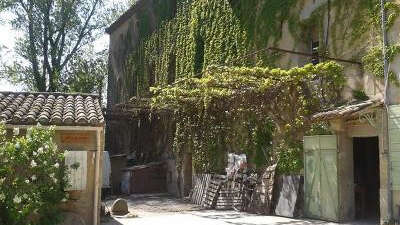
pixel 225 97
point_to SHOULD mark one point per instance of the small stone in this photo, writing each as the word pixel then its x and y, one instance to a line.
pixel 120 207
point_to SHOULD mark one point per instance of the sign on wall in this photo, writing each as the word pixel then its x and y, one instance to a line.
pixel 71 138
pixel 76 162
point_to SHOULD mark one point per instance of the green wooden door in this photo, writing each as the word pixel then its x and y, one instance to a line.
pixel 394 145
pixel 321 186
pixel 312 177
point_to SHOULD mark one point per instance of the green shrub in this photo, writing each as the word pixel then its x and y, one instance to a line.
pixel 290 159
pixel 33 178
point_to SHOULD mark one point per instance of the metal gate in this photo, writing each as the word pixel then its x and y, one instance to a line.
pixel 321 178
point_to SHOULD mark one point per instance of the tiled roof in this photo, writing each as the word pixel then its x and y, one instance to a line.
pixel 30 108
pixel 348 110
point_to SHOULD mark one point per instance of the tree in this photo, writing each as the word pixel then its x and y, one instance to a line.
pixel 54 31
pixel 87 72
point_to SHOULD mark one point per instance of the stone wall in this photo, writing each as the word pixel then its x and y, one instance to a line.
pixel 125 36
pixel 126 136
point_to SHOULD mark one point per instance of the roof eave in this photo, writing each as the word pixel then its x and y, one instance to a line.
pixel 343 113
pixel 124 17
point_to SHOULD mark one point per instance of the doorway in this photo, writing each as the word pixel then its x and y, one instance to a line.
pixel 366 178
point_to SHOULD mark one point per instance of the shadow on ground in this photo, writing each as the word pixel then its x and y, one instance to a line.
pixel 110 221
pixel 165 209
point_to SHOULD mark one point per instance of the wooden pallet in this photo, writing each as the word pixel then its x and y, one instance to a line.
pixel 201 182
pixel 211 195
pixel 229 197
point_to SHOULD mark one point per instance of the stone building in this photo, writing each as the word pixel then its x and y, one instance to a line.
pixel 308 32
pixel 79 129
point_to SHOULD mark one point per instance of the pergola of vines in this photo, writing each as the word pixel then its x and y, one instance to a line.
pixel 211 111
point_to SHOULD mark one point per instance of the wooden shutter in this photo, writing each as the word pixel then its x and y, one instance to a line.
pixel 77 176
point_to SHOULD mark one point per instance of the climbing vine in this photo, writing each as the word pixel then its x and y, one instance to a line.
pixel 373 61
pixel 194 34
pixel 213 111
pixel 204 33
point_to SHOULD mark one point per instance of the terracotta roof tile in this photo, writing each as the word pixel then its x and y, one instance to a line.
pixel 348 110
pixel 29 108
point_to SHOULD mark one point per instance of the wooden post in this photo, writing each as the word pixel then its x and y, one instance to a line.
pixel 97 183
pixel 385 43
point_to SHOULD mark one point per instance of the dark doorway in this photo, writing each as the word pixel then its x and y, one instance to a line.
pixel 366 177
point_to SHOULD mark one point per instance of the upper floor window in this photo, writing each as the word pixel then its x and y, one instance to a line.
pixel 315 52
pixel 315 44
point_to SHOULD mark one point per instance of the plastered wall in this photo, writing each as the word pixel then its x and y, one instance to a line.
pixel 81 202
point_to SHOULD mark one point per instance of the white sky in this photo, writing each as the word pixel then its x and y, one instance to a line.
pixel 7 42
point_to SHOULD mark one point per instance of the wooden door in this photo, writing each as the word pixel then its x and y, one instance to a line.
pixel 320 177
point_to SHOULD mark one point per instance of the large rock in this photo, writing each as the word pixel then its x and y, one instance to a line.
pixel 289 196
pixel 120 207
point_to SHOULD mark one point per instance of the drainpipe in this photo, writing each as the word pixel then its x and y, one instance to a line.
pixel 386 104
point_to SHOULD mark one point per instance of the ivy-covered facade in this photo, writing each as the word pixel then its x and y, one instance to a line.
pixel 164 43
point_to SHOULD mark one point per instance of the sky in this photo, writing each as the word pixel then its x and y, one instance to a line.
pixel 7 37
pixel 7 43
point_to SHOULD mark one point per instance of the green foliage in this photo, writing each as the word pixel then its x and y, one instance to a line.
pixel 32 178
pixel 262 138
pixel 365 25
pixel 87 73
pixel 204 33
pixel 52 33
pixel 319 128
pixel 220 109
pixel 290 158
pixel 360 95
pixel 223 32
pixel 223 109
pixel 373 61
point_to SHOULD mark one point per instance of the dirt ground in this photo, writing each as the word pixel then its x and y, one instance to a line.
pixel 155 205
pixel 164 209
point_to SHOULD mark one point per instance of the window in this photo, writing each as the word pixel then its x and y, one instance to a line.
pixel 315 52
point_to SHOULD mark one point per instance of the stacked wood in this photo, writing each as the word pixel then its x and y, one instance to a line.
pixel 229 198
pixel 261 200
pixel 200 184
pixel 242 192
pixel 211 195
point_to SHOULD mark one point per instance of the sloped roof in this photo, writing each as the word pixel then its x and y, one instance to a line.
pixel 30 108
pixel 138 5
pixel 349 110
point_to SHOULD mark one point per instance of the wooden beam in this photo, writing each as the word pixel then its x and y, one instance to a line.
pixel 311 55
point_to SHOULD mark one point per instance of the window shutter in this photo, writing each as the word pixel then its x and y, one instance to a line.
pixel 76 162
